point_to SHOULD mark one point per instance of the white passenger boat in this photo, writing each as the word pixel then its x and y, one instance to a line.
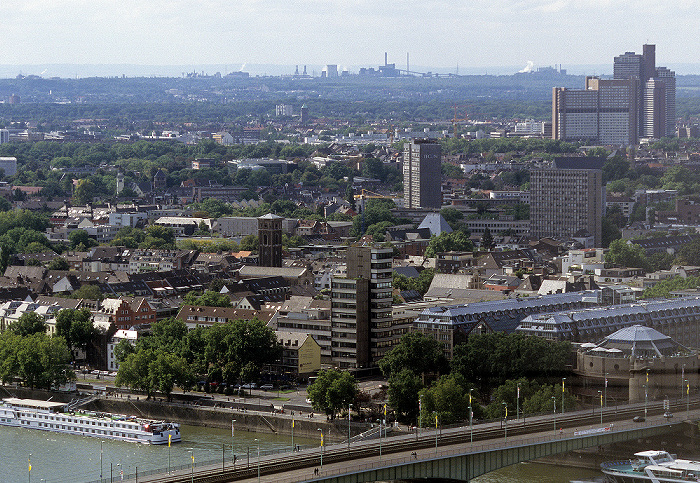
pixel 50 416
pixel 654 466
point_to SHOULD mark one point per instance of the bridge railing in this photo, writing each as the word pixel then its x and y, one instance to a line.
pixel 466 448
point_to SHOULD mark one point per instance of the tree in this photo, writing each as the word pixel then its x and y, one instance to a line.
pixel 448 398
pixel 625 254
pixel 208 299
pixel 489 359
pixel 446 242
pixel 158 238
pixel 417 353
pixel 487 239
pixel 332 391
pixel 81 237
pixel 88 292
pixel 29 323
pixel 452 216
pixel 58 263
pixel 76 327
pixel 85 191
pixel 404 388
pixel 689 254
pixel 233 345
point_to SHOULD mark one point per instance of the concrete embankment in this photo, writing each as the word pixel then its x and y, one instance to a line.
pixel 245 420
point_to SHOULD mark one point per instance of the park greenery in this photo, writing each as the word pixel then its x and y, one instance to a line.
pixel 332 391
pixel 487 366
pixel 171 355
pixel 27 353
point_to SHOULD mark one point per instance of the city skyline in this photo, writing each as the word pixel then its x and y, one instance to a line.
pixel 471 36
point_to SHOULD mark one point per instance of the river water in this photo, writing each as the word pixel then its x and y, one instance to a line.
pixel 65 458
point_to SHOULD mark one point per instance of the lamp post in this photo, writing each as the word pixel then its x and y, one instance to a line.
pixel 554 400
pixel 600 393
pixel 101 459
pixel 380 438
pixel 517 407
pixel 321 430
pixel 191 452
pixel 646 398
pixel 349 409
pixel 233 454
pixel 605 404
pixel 471 413
pixel 687 396
pixel 505 420
pixel 563 379
pixel 420 411
pixel 436 431
pixel 29 468
pixel 682 378
pixel 258 442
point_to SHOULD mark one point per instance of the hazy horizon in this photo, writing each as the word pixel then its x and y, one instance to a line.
pixel 476 35
pixel 8 71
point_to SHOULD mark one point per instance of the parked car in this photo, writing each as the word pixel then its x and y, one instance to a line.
pixel 267 387
pixel 668 415
pixel 638 419
pixel 250 385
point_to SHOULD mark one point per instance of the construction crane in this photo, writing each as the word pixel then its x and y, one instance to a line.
pixel 368 195
pixel 455 119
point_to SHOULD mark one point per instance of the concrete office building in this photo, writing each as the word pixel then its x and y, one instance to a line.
pixel 657 95
pixel 567 199
pixel 605 112
pixel 8 165
pixel 422 160
pixel 361 308
pixel 639 102
pixel 4 136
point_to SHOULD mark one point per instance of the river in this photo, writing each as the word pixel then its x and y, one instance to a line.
pixel 57 457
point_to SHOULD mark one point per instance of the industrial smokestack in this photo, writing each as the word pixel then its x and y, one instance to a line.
pixel 385 59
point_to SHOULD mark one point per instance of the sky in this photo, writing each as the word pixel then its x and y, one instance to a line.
pixel 447 34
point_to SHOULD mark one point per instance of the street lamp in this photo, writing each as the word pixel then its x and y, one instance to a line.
pixel 258 443
pixel 420 410
pixel 682 378
pixel 191 452
pixel 517 407
pixel 606 390
pixel 101 459
pixel 349 409
pixel 505 406
pixel 646 394
pixel 563 379
pixel 646 398
pixel 554 400
pixel 687 396
pixel 436 431
pixel 471 413
pixel 233 454
pixel 29 468
pixel 600 393
pixel 321 430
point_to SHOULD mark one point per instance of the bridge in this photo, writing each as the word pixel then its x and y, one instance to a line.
pixel 460 453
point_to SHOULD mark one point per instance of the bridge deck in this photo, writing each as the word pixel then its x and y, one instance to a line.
pixel 408 455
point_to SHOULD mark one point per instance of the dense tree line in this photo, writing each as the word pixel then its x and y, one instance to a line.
pixel 172 355
pixel 488 367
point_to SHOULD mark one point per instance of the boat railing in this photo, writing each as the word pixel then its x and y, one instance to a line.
pixel 609 464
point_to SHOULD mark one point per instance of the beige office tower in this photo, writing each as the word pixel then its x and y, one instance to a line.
pixel 567 199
